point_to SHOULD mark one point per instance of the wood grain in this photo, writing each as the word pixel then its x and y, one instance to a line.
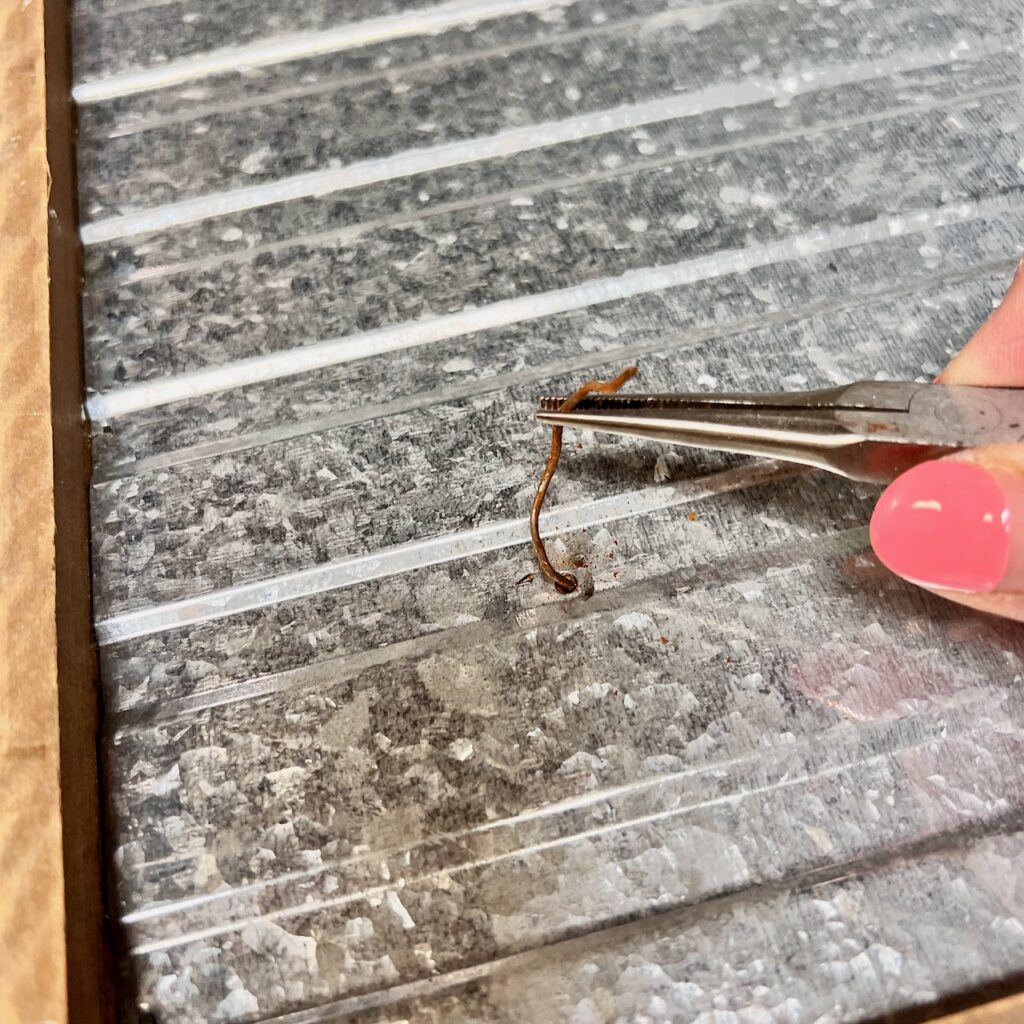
pixel 53 958
pixel 33 965
pixel 1001 1011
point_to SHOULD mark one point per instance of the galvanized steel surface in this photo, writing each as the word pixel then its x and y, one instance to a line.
pixel 362 764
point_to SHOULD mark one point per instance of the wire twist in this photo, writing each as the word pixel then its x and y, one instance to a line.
pixel 565 582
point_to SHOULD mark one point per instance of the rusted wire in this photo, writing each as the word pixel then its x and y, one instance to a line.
pixel 565 582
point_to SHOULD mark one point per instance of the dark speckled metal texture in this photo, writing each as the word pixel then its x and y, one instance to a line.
pixel 362 763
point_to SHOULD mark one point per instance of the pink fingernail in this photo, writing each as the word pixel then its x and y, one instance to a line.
pixel 944 525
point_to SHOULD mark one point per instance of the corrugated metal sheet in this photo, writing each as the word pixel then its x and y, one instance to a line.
pixel 360 763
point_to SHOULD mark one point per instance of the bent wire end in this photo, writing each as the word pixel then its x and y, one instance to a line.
pixel 565 583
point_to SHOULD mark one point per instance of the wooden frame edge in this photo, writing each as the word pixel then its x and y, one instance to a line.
pixel 90 961
pixel 1009 1010
pixel 55 963
pixel 49 697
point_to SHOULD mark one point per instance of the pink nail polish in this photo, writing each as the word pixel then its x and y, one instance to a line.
pixel 944 525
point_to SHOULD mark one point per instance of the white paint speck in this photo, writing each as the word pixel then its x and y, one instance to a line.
pixel 609 330
pixel 889 959
pixel 397 908
pixel 764 295
pixel 732 195
pixel 634 622
pixel 238 1003
pixel 697 18
pixel 254 162
pixel 749 590
pixel 460 749
pixel 165 784
pixel 819 837
pixel 460 364
pixel 286 780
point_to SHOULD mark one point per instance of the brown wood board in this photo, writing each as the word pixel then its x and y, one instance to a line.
pixel 51 932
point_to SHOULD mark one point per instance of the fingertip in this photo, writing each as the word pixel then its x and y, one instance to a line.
pixel 942 525
pixel 995 355
pixel 956 524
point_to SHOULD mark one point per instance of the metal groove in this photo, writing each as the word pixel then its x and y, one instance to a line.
pixel 606 933
pixel 144 715
pixel 504 856
pixel 411 334
pixel 417 554
pixel 722 95
pixel 488 385
pixel 301 45
pixel 434 63
pixel 350 232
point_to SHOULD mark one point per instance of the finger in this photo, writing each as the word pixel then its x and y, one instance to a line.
pixel 956 525
pixel 994 357
pixel 1006 606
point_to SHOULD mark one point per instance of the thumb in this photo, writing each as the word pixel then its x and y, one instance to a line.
pixel 994 357
pixel 956 523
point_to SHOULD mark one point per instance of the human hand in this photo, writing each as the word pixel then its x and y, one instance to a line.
pixel 956 525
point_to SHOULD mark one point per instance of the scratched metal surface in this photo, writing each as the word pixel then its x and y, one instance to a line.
pixel 363 766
